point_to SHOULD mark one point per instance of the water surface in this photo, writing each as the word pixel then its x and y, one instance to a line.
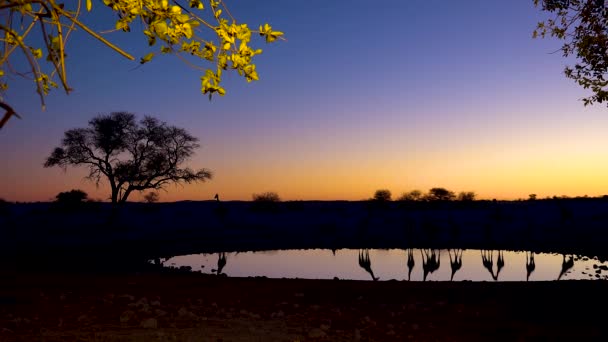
pixel 398 264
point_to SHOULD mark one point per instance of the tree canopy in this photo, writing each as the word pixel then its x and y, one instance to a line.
pixel 131 155
pixel 39 30
pixel 583 26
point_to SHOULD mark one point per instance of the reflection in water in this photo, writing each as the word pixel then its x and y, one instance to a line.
pixel 487 260
pixel 455 261
pixel 410 262
pixel 567 265
pixel 366 263
pixel 221 263
pixel 430 261
pixel 389 264
pixel 530 265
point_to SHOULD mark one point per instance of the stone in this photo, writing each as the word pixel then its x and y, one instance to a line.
pixel 316 333
pixel 126 316
pixel 149 323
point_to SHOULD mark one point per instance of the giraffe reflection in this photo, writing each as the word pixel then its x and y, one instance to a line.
pixel 487 259
pixel 455 261
pixel 221 263
pixel 530 265
pixel 366 263
pixel 430 261
pixel 410 262
pixel 567 264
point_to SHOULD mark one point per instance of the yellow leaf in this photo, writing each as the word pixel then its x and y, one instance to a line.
pixel 89 5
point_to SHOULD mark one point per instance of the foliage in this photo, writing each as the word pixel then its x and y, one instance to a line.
pixel 440 194
pixel 133 156
pixel 583 26
pixel 151 197
pixel 269 197
pixel 203 29
pixel 71 197
pixel 382 195
pixel 532 197
pixel 466 196
pixel 414 195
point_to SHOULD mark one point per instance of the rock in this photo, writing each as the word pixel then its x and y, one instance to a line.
pixel 127 297
pixel 160 313
pixel 185 314
pixel 150 323
pixel 316 333
pixel 357 336
pixel 127 316
pixel 155 303
pixel 325 327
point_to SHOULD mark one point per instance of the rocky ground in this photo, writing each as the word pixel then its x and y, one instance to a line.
pixel 196 307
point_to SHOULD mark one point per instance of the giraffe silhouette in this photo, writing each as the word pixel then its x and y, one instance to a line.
pixel 487 261
pixel 500 263
pixel 410 262
pixel 567 264
pixel 530 265
pixel 366 263
pixel 430 261
pixel 487 258
pixel 455 261
pixel 216 197
pixel 221 263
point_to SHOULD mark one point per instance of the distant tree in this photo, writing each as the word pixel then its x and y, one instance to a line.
pixel 466 196
pixel 268 196
pixel 131 155
pixel 440 194
pixel 151 197
pixel 583 26
pixel 382 195
pixel 414 195
pixel 532 197
pixel 71 197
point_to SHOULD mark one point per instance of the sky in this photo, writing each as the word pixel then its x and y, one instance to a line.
pixel 361 96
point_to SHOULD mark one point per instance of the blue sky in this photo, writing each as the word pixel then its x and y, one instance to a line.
pixel 362 95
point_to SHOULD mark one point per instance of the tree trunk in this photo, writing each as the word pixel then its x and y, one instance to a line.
pixel 126 194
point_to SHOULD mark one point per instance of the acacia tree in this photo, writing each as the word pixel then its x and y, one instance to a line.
pixel 583 26
pixel 131 155
pixel 38 30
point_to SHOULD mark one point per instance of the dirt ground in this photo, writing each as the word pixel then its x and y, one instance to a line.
pixel 196 307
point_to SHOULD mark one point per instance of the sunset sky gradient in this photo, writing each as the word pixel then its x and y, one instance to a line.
pixel 364 95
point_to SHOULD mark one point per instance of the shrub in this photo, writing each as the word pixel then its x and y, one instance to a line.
pixel 414 195
pixel 440 194
pixel 382 195
pixel 71 197
pixel 466 196
pixel 151 197
pixel 266 197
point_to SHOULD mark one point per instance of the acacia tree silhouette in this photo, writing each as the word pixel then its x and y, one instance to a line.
pixel 133 156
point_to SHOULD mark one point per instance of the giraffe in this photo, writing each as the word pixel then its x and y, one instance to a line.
pixel 530 265
pixel 366 263
pixel 430 261
pixel 410 262
pixel 455 262
pixel 567 264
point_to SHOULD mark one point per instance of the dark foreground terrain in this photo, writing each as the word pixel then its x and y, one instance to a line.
pixel 82 274
pixel 196 307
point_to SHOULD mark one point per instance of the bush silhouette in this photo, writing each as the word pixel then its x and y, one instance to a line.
pixel 72 197
pixel 151 197
pixel 414 195
pixel 382 195
pixel 466 196
pixel 440 194
pixel 266 197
